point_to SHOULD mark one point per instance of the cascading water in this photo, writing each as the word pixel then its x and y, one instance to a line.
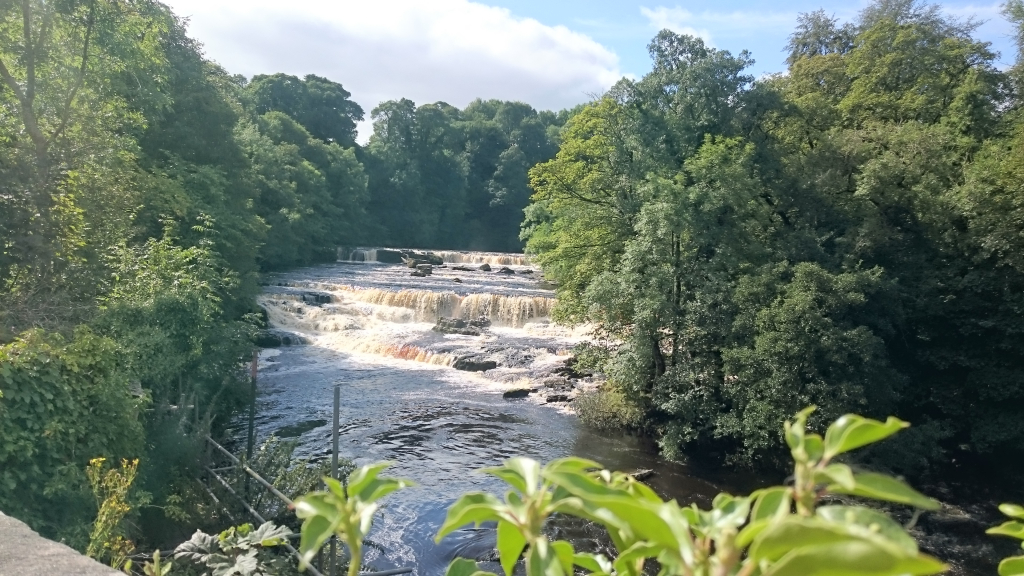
pixel 368 327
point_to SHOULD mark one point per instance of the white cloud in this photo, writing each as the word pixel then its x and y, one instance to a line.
pixel 425 50
pixel 711 26
pixel 677 20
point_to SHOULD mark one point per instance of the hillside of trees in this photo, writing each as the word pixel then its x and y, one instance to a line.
pixel 144 189
pixel 847 234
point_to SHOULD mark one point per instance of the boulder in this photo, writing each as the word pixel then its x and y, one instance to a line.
pixel 418 274
pixel 474 364
pixel 557 398
pixel 527 271
pixel 427 257
pixel 415 262
pixel 389 256
pixel 517 393
pixel 316 298
pixel 569 370
pixel 462 268
pixel 459 280
pixel 485 267
pixel 456 326
pixel 481 322
pixel 273 338
pixel 427 269
pixel 506 270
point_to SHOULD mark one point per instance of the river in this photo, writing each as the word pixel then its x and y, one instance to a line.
pixel 367 327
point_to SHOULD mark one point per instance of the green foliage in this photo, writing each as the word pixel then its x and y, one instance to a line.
pixel 111 488
pixel 321 106
pixel 448 178
pixel 344 510
pixel 239 550
pixel 165 309
pixel 310 193
pixel 607 408
pixel 1013 566
pixel 158 567
pixel 293 477
pixel 63 403
pixel 781 530
pixel 845 235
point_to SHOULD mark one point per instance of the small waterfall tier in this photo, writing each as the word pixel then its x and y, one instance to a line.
pixel 381 310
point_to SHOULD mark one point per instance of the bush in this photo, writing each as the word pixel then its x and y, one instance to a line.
pixel 608 408
pixel 63 403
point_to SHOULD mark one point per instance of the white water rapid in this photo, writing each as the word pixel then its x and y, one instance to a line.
pixel 434 404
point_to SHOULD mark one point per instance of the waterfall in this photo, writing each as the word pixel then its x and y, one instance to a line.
pixel 492 258
pixel 448 256
pixel 382 311
pixel 428 306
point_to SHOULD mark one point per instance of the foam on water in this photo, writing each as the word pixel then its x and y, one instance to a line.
pixel 369 330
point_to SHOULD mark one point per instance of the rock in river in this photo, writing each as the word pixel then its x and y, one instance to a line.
pixel 485 267
pixel 273 338
pixel 517 393
pixel 389 256
pixel 457 326
pixel 474 364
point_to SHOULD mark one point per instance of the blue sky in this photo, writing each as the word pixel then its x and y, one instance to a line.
pixel 734 25
pixel 552 54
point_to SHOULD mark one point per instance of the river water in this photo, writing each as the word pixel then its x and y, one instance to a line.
pixel 367 327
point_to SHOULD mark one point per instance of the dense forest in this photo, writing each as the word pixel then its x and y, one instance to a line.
pixel 847 234
pixel 144 189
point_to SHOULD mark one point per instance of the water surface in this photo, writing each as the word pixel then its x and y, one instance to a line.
pixel 403 402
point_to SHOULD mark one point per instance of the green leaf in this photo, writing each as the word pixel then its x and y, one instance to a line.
pixel 510 545
pixel 1012 510
pixel 1013 566
pixel 380 487
pixel 852 558
pixel 363 476
pixel 472 508
pixel 1013 529
pixel 269 534
pixel 840 474
pixel 542 560
pixel 851 431
pixel 564 553
pixel 465 567
pixel 771 502
pixel 521 473
pixel 627 560
pixel 814 447
pixel 882 487
pixel 596 563
pixel 869 522
pixel 315 531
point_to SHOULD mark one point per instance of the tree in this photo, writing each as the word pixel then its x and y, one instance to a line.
pixel 321 106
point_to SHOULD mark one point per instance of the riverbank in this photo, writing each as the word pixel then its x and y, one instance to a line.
pixel 373 328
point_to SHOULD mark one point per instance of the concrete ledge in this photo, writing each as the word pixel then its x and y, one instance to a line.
pixel 25 553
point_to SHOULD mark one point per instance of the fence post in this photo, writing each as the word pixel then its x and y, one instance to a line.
pixel 334 469
pixel 251 438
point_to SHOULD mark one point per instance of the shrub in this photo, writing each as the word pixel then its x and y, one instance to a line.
pixel 607 408
pixel 64 403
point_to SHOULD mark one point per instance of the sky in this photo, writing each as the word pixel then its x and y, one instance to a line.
pixel 552 54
